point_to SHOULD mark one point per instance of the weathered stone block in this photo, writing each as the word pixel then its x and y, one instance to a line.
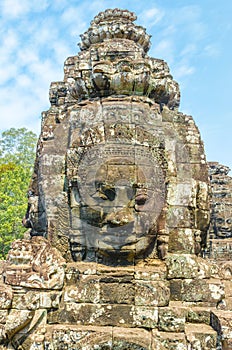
pixel 202 195
pixel 87 290
pixel 118 293
pixel 181 241
pixel 129 338
pixel 182 194
pixel 78 337
pixel 152 293
pixel 118 274
pixel 106 314
pixel 204 292
pixel 50 300
pixel 180 217
pixel 200 336
pixel 187 266
pixel 196 153
pixel 154 272
pixel 145 316
pixel 6 296
pixel 3 316
pixel 94 314
pixel 28 300
pixel 198 315
pixel 221 321
pixel 169 341
pixel 17 320
pixel 172 319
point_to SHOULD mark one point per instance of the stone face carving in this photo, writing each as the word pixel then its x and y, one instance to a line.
pixel 221 223
pixel 220 230
pixel 118 212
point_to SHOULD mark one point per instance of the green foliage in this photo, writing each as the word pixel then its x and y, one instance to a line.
pixel 17 153
pixel 18 146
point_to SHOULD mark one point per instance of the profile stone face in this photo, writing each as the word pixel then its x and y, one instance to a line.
pixel 122 251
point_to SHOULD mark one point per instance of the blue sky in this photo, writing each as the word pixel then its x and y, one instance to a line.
pixel 194 37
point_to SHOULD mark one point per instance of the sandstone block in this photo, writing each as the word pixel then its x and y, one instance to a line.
pixel 6 296
pixel 3 316
pixel 222 322
pixel 26 301
pixel 187 266
pixel 198 315
pixel 154 272
pixel 201 336
pixel 16 321
pixel 180 217
pixel 152 293
pixel 78 337
pixel 145 316
pixel 172 319
pixel 169 341
pixel 135 338
pixel 182 194
pixel 118 274
pixel 117 293
pixel 204 292
pixel 87 290
pixel 105 315
pixel 50 299
pixel 181 241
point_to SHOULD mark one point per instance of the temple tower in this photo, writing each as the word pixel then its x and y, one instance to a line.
pixel 118 211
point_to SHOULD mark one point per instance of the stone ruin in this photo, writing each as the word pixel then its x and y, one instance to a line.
pixel 121 252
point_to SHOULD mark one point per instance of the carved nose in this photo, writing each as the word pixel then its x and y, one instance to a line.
pixel 121 198
pixel 120 217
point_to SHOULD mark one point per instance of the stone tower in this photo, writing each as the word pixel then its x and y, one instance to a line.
pixel 118 212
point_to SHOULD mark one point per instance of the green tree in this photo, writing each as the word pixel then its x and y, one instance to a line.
pixel 18 146
pixel 17 153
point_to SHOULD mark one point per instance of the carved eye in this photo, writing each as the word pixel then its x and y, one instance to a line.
pixel 141 199
pixel 109 192
pixel 105 192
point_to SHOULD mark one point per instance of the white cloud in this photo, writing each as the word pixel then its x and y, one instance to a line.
pixel 151 17
pixel 13 9
pixel 9 40
pixel 17 8
pixel 7 72
pixel 20 109
pixel 164 49
pixel 183 70
pixel 45 33
pixel 27 56
pixel 188 50
pixel 211 50
pixel 190 14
